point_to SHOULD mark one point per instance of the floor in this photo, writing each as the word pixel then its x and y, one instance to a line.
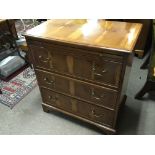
pixel 27 117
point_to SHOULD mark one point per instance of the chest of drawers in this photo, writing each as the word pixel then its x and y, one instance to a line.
pixel 83 74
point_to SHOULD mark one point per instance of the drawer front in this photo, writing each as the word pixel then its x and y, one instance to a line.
pixel 78 63
pixel 80 108
pixel 85 91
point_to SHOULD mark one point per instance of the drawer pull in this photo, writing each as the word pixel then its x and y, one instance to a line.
pixel 96 97
pixel 98 74
pixel 102 72
pixel 101 55
pixel 54 99
pixel 48 81
pixel 43 60
pixel 95 115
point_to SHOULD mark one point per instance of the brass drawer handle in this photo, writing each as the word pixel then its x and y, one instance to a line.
pixel 96 97
pixel 98 74
pixel 43 60
pixel 95 115
pixel 54 99
pixel 48 81
pixel 101 55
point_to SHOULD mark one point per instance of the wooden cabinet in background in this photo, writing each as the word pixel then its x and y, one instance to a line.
pixel 82 67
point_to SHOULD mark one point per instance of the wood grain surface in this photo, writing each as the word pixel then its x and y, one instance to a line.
pixel 100 33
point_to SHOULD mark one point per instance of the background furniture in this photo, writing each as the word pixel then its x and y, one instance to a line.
pixel 143 43
pixel 7 35
pixel 82 67
pixel 22 26
pixel 11 42
pixel 7 38
pixel 146 62
pixel 150 82
pixel 8 43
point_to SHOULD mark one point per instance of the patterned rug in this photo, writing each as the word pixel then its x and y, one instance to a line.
pixel 18 87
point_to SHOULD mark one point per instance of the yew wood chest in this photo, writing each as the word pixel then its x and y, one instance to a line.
pixel 82 67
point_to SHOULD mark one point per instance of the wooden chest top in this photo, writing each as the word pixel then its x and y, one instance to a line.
pixel 2 20
pixel 95 33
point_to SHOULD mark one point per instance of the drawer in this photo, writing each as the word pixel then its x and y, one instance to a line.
pixel 77 107
pixel 94 67
pixel 85 91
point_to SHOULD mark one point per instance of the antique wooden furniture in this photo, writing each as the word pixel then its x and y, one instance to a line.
pixel 150 82
pixel 143 43
pixel 147 60
pixel 7 36
pixel 22 26
pixel 83 66
pixel 7 33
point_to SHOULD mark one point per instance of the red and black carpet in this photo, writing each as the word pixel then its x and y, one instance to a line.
pixel 18 87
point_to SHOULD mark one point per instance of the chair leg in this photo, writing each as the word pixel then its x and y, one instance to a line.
pixel 28 62
pixel 145 64
pixel 146 88
pixel 0 91
pixel 30 65
pixel 23 24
